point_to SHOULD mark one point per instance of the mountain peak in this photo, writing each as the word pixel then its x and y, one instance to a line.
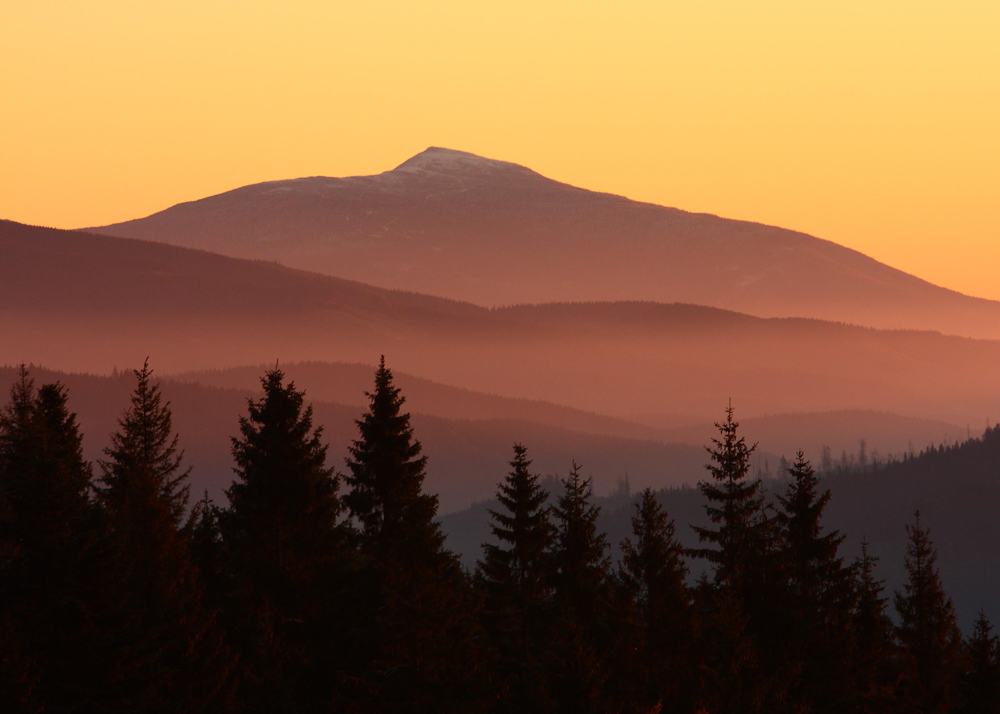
pixel 441 161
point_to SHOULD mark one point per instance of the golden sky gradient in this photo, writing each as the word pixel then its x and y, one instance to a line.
pixel 873 124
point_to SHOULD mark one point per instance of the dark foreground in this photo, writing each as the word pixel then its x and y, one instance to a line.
pixel 312 591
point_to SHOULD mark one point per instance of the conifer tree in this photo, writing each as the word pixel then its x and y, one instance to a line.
pixel 749 583
pixel 58 608
pixel 929 638
pixel 872 676
pixel 816 628
pixel 387 471
pixel 652 573
pixel 514 574
pixel 177 651
pixel 735 505
pixel 981 683
pixel 46 483
pixel 288 552
pixel 583 598
pixel 142 473
pixel 417 637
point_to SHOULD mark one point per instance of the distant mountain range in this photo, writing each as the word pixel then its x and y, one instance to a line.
pixel 456 225
pixel 83 302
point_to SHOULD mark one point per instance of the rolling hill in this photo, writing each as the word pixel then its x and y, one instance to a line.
pixel 489 232
pixel 466 457
pixel 777 435
pixel 82 302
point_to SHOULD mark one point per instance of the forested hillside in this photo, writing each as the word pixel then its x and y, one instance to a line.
pixel 955 488
pixel 303 589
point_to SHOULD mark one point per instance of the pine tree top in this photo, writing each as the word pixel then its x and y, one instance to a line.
pixel 143 461
pixel 523 497
pixel 810 554
pixel 652 566
pixel 736 504
pixel 280 458
pixel 581 558
pixel 386 476
pixel 45 484
pixel 523 531
pixel 925 609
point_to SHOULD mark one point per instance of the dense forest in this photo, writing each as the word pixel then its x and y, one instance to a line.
pixel 955 486
pixel 311 590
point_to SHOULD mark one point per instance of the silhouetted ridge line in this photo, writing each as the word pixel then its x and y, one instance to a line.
pixel 454 224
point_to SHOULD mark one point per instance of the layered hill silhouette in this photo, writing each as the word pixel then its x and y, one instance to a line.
pixel 347 384
pixel 82 302
pixel 841 433
pixel 466 457
pixel 456 225
pixel 467 436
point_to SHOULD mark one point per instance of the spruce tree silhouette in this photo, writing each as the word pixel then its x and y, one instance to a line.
pixel 873 675
pixel 929 639
pixel 59 605
pixel 652 574
pixel 583 598
pixel 735 505
pixel 417 639
pixel 177 653
pixel 288 553
pixel 387 471
pixel 514 575
pixel 817 612
pixel 747 670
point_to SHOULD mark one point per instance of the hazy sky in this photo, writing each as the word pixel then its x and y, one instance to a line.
pixel 873 124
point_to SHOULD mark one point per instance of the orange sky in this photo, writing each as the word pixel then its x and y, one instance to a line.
pixel 874 124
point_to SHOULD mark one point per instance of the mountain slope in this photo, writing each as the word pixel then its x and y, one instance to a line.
pixel 347 384
pixel 89 303
pixel 840 432
pixel 489 232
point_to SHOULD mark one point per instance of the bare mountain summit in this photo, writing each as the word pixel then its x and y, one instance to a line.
pixel 456 225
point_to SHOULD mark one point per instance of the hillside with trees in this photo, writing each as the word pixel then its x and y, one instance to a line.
pixel 955 488
pixel 308 588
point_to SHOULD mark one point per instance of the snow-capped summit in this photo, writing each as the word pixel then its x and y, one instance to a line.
pixel 436 160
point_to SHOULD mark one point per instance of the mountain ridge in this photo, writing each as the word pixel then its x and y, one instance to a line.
pixel 85 302
pixel 490 232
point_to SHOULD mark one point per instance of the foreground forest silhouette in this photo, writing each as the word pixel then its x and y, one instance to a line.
pixel 312 591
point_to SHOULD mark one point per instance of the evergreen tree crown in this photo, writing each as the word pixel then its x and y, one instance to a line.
pixel 142 467
pixel 386 479
pixel 524 526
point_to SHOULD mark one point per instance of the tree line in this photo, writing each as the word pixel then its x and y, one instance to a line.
pixel 316 591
